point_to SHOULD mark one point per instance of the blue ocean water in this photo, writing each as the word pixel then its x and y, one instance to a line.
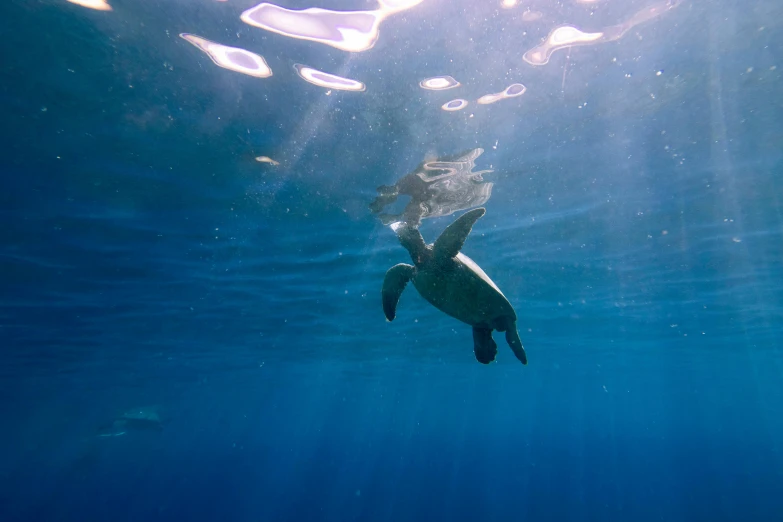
pixel 188 333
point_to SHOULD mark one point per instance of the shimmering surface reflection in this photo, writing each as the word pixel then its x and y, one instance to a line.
pixel 563 36
pixel 439 83
pixel 455 105
pixel 615 32
pixel 98 5
pixel 438 187
pixel 353 31
pixel 512 91
pixel 569 36
pixel 232 58
pixel 324 79
pixel 531 16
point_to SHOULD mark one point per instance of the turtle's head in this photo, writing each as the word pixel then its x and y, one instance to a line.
pixel 411 239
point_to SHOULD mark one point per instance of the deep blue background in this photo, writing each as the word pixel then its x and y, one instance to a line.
pixel 147 259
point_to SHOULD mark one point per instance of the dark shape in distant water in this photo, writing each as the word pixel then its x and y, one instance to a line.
pixel 137 419
pixel 437 188
pixel 454 284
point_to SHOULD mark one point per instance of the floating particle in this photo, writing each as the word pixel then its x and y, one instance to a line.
pixel 455 105
pixel 439 83
pixel 353 31
pixel 267 159
pixel 98 5
pixel 512 91
pixel 509 4
pixel 560 37
pixel 330 81
pixel 232 58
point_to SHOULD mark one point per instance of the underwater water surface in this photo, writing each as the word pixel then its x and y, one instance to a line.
pixel 200 201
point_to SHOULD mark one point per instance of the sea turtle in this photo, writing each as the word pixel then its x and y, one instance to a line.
pixel 454 284
pixel 137 419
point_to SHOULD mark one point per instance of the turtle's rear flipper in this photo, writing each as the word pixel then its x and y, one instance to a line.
pixel 513 340
pixel 393 285
pixel 483 345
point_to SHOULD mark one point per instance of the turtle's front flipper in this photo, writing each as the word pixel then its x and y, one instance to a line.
pixel 513 340
pixel 393 285
pixel 451 240
pixel 483 345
